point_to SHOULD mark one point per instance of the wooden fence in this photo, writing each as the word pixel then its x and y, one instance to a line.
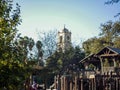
pixel 107 81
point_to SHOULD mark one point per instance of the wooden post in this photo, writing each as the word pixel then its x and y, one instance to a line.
pixel 114 63
pixel 71 86
pixel 62 84
pixel 103 80
pixel 101 64
pixel 55 82
pixel 110 86
pixel 31 79
pixel 94 84
pixel 81 81
pixel 59 82
pixel 75 82
pixel 66 83
pixel 117 83
pixel 89 84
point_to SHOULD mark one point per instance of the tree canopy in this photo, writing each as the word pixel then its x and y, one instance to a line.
pixel 59 63
pixel 109 36
pixel 14 49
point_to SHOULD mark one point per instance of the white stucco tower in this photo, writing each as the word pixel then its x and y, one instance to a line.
pixel 64 40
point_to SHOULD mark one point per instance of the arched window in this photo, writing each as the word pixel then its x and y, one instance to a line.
pixel 61 39
pixel 68 38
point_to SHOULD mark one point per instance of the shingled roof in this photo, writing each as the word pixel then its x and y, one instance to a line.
pixel 117 50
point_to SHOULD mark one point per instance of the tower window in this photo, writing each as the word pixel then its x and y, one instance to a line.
pixel 61 39
pixel 68 38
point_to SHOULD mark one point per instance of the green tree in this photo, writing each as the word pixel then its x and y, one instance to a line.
pixel 9 19
pixel 13 72
pixel 117 42
pixel 110 31
pixel 93 45
pixel 60 62
pixel 109 36
pixel 40 53
pixel 26 45
pixel 79 54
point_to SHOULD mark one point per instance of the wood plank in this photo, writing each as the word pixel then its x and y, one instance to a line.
pixel 108 55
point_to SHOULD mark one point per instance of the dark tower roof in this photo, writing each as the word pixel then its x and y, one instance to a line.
pixel 65 30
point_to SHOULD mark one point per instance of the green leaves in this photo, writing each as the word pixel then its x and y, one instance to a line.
pixel 11 73
pixel 12 68
pixel 109 36
pixel 60 61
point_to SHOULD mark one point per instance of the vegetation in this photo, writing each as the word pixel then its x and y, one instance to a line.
pixel 12 70
pixel 109 36
pixel 91 67
pixel 49 42
pixel 15 51
pixel 17 58
pixel 106 63
pixel 60 63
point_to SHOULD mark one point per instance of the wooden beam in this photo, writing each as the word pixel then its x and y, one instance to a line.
pixel 108 55
pixel 108 51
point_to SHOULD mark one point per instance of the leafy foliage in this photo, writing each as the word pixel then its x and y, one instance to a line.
pixel 13 49
pixel 40 53
pixel 60 63
pixel 91 67
pixel 93 45
pixel 109 36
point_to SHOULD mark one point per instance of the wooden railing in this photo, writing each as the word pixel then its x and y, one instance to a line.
pixel 88 73
pixel 108 69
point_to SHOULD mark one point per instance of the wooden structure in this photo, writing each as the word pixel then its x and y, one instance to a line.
pixel 104 76
pixel 91 59
pixel 109 58
pixel 106 60
pixel 98 82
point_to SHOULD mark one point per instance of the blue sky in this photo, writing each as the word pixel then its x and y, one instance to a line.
pixel 81 17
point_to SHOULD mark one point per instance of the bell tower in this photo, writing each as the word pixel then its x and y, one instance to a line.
pixel 64 40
